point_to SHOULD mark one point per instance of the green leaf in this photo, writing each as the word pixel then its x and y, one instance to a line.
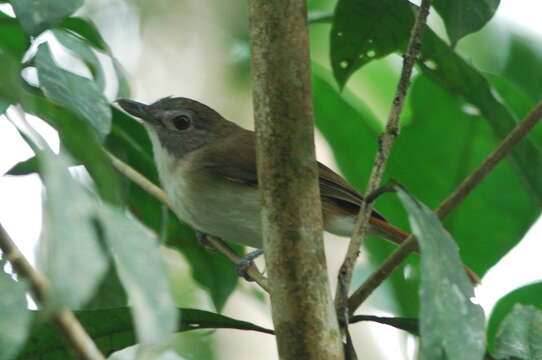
pixel 526 295
pixel 37 15
pixel 451 326
pixel 110 293
pixel 410 325
pixel 25 167
pixel 524 62
pixel 69 236
pixel 462 17
pixel 456 75
pixel 71 130
pixel 520 335
pixel 440 63
pixel 364 30
pixel 12 38
pixel 4 104
pixel 14 313
pixel 75 92
pixel 211 270
pixel 81 49
pixel 112 330
pixel 86 29
pixel 142 273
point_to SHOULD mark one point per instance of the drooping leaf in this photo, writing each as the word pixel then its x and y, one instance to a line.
pixel 462 17
pixel 112 330
pixel 520 335
pixel 75 92
pixel 14 313
pixel 364 30
pixel 451 325
pixel 36 15
pixel 139 265
pixel 68 253
pixel 85 28
pixel 83 51
pixel 526 295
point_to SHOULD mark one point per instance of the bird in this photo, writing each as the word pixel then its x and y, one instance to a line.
pixel 207 166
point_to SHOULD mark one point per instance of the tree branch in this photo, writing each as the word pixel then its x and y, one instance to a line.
pixel 70 328
pixel 302 309
pixel 447 206
pixel 385 142
pixel 161 196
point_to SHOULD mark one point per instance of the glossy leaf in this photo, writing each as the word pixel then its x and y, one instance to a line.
pixel 14 313
pixel 36 16
pixel 142 273
pixel 520 335
pixel 364 30
pixel 451 326
pixel 462 17
pixel 525 295
pixel 112 330
pixel 68 252
pixel 75 92
pixel 85 53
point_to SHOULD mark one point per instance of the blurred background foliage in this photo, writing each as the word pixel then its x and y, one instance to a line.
pixel 199 49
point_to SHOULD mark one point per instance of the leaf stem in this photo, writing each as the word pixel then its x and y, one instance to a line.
pixel 385 142
pixel 447 206
pixel 161 196
pixel 66 322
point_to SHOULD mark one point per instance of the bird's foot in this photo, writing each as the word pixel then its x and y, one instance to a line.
pixel 247 261
pixel 204 240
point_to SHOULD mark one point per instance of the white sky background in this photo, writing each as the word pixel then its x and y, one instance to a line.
pixel 20 197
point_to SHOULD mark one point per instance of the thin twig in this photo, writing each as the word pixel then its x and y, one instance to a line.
pixel 66 322
pixel 161 196
pixel 386 141
pixel 447 206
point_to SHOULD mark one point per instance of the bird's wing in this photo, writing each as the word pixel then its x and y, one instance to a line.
pixel 240 167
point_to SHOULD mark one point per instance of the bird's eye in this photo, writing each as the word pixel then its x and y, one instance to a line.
pixel 181 122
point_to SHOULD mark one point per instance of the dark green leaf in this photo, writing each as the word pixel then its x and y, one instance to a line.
pixel 523 64
pixel 14 313
pixel 463 17
pixel 364 30
pixel 520 335
pixel 407 324
pixel 25 167
pixel 139 265
pixel 12 37
pixel 211 270
pixel 4 104
pixel 526 295
pixel 37 15
pixel 86 28
pixel 75 92
pixel 81 49
pixel 112 330
pixel 453 73
pixel 451 326
pixel 68 236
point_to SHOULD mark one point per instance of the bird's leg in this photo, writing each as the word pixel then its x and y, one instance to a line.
pixel 243 264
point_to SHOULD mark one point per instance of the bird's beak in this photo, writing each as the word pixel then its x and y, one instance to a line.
pixel 134 108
